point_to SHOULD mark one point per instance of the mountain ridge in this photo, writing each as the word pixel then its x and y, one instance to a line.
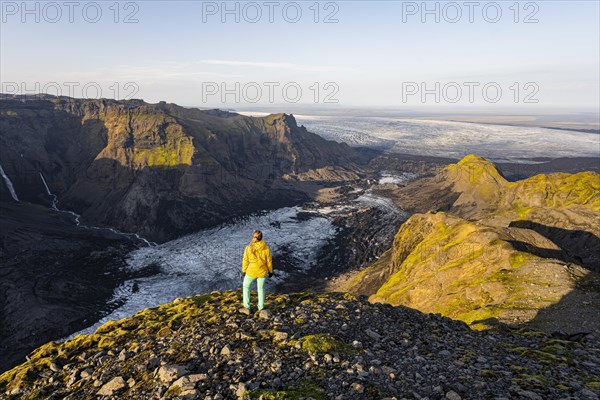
pixel 98 152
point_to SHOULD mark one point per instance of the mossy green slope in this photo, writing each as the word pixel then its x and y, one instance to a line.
pixel 468 271
pixel 557 190
pixel 140 139
pixel 482 189
pixel 499 254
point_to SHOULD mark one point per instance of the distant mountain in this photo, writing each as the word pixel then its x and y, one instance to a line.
pixel 515 252
pixel 161 170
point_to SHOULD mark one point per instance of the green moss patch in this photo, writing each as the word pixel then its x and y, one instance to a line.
pixel 324 343
pixel 306 390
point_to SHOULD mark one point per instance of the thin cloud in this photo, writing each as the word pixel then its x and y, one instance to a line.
pixel 274 65
pixel 168 72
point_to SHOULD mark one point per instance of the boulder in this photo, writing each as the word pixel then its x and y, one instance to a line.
pixel 113 386
pixel 169 373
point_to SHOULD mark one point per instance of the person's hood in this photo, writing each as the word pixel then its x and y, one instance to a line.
pixel 259 245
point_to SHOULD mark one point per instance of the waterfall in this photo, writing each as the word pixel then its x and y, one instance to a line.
pixel 45 185
pixel 77 216
pixel 54 205
pixel 9 184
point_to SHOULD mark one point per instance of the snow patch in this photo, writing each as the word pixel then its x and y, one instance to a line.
pixel 398 179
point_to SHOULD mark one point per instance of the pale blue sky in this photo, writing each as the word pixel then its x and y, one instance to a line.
pixel 370 54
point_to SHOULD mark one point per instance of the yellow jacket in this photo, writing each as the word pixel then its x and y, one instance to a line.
pixel 259 263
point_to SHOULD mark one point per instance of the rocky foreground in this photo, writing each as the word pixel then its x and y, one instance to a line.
pixel 321 346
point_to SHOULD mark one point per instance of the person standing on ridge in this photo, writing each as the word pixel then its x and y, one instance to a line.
pixel 256 265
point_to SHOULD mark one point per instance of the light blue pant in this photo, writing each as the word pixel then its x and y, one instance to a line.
pixel 260 285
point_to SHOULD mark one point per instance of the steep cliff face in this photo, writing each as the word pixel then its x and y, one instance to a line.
pixel 159 169
pixel 503 251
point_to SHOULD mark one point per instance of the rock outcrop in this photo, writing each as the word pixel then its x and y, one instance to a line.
pixel 321 346
pixel 516 252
